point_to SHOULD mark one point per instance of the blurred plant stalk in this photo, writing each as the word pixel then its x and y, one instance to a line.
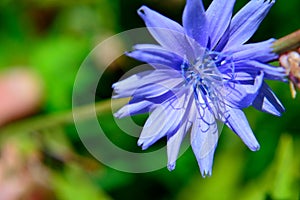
pixel 287 43
pixel 57 119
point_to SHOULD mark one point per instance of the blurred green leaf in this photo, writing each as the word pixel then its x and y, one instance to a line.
pixel 285 174
pixel 279 180
pixel 73 184
pixel 58 59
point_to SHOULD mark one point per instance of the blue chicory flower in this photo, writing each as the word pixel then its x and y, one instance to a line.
pixel 203 73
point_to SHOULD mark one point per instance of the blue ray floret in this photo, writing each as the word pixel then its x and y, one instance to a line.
pixel 203 73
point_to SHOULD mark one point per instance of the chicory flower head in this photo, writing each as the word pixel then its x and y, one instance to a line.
pixel 203 73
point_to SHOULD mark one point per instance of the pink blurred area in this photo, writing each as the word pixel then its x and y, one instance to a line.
pixel 22 176
pixel 21 94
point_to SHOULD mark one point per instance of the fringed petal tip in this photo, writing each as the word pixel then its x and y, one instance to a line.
pixel 134 54
pixel 206 173
pixel 171 166
pixel 272 1
pixel 117 115
pixel 277 114
pixel 143 144
pixel 113 86
pixel 266 101
pixel 128 53
pixel 142 11
pixel 255 147
pixel 280 112
pixel 250 141
pixel 205 164
pixel 276 110
pixel 116 96
pixel 122 112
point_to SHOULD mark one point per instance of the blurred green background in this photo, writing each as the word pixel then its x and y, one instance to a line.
pixel 42 45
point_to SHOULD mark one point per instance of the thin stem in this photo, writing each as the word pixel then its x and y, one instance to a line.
pixel 61 118
pixel 287 43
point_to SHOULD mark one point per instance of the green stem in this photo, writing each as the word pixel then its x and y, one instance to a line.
pixel 287 43
pixel 61 118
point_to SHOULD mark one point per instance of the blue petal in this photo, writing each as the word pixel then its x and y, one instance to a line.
pixel 134 109
pixel 167 32
pixel 218 15
pixel 241 92
pixel 142 104
pixel 266 101
pixel 175 138
pixel 126 87
pixel 260 51
pixel 253 66
pixel 204 140
pixel 156 56
pixel 165 119
pixel 194 21
pixel 247 20
pixel 237 121
pixel 162 79
pixel 160 122
pixel 205 163
pixel 174 143
pixel 157 89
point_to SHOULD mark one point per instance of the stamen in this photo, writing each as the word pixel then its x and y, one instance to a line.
pixel 207 81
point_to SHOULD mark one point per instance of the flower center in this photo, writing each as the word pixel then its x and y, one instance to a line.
pixel 206 77
pixel 203 73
